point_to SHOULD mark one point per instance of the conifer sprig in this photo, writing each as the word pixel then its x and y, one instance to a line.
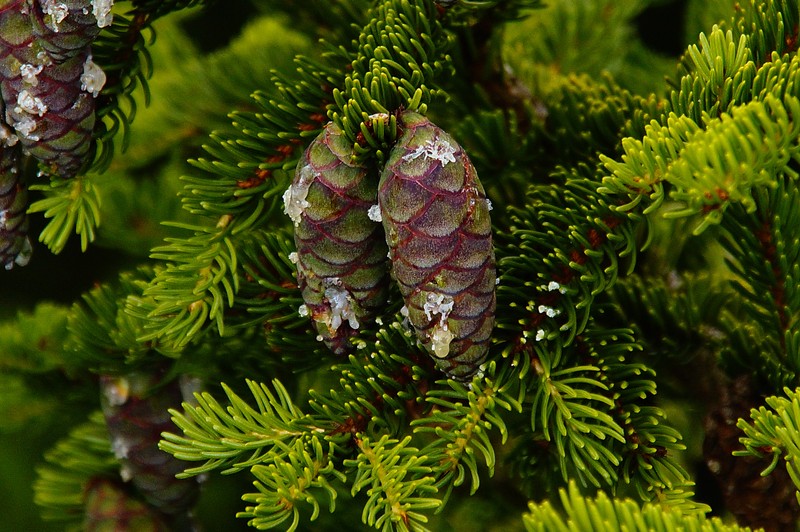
pixel 286 483
pixel 579 512
pixel 395 502
pixel 774 433
pixel 84 456
pixel 462 424
pixel 238 436
pixel 763 263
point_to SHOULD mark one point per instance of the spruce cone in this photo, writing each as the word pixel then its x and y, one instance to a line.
pixel 65 28
pixel 757 501
pixel 341 254
pixel 135 408
pixel 436 217
pixel 15 247
pixel 110 507
pixel 50 99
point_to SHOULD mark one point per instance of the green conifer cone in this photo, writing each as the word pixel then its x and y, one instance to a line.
pixel 341 258
pixel 436 217
pixel 15 246
pixel 135 407
pixel 110 508
pixel 50 104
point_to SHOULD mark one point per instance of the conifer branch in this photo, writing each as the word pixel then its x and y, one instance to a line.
pixel 285 483
pixel 461 423
pixel 602 512
pixel 73 205
pixel 395 502
pixel 585 173
pixel 83 456
pixel 774 433
pixel 238 436
pixel 763 252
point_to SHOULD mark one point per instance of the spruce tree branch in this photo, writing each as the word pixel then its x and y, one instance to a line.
pixel 73 206
pixel 762 258
pixel 395 501
pixel 774 431
pixel 82 457
pixel 285 483
pixel 461 422
pixel 603 513
pixel 238 436
pixel 771 26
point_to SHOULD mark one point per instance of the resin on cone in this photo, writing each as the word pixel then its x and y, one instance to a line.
pixel 15 246
pixel 49 82
pixel 64 28
pixel 436 218
pixel 341 256
pixel 136 407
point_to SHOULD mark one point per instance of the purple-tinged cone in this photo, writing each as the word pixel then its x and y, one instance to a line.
pixel 54 118
pixel 436 217
pixel 15 247
pixel 342 267
pixel 50 99
pixel 136 411
pixel 109 506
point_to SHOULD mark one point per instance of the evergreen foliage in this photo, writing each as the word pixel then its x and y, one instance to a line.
pixel 644 211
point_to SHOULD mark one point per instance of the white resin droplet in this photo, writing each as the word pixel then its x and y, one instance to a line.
pixel 57 11
pixel 126 473
pixel 440 341
pixel 437 149
pixel 120 447
pixel 374 213
pixel 340 302
pixel 24 255
pixel 294 199
pixel 28 103
pixel 93 78
pixel 7 138
pixel 440 304
pixel 29 73
pixel 25 127
pixel 117 391
pixel 102 12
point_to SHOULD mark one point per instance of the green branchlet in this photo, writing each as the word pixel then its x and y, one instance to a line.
pixel 579 512
pixel 774 433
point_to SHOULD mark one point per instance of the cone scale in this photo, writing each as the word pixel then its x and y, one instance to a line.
pixel 436 220
pixel 136 407
pixel 15 246
pixel 341 256
pixel 109 506
pixel 64 28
